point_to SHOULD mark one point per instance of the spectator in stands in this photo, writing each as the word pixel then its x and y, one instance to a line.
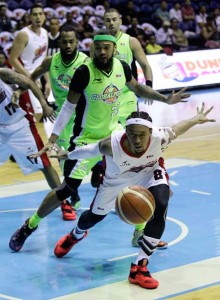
pixel 201 18
pixel 128 12
pixel 26 19
pixel 164 37
pixel 69 20
pixel 135 28
pixel 161 14
pixel 152 46
pixel 188 15
pixel 175 12
pixel 180 41
pixel 209 34
pixel 5 21
pixel 216 16
pixel 53 36
pixel 84 29
pixel 56 3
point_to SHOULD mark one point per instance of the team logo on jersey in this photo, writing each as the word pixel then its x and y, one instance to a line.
pixel 2 95
pixel 120 56
pixel 109 96
pixel 39 52
pixel 63 81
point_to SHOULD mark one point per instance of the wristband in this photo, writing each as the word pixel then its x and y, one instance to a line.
pixel 149 83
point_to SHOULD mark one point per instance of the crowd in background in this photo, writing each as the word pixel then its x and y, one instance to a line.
pixel 160 26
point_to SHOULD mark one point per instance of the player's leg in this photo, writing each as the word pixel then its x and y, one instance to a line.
pixel 49 204
pixel 102 203
pixel 153 231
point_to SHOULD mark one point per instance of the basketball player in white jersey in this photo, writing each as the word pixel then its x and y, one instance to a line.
pixel 132 157
pixel 28 50
pixel 16 137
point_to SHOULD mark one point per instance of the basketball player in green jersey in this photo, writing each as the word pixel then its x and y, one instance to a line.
pixel 101 81
pixel 61 67
pixel 127 48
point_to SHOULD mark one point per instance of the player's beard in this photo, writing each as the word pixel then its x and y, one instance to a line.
pixel 103 66
pixel 68 57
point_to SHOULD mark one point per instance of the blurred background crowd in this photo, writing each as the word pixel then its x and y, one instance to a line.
pixel 160 26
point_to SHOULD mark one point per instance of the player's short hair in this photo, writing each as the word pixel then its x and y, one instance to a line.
pixel 111 10
pixel 68 28
pixel 36 5
pixel 140 115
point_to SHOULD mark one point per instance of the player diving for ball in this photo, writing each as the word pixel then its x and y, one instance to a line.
pixel 132 157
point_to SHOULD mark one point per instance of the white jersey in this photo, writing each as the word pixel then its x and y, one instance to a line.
pixel 124 169
pixel 8 113
pixel 123 164
pixel 36 49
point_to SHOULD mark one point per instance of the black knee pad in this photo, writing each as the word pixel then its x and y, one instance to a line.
pixel 67 188
pixel 89 219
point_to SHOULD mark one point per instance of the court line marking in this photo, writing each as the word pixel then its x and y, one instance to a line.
pixel 175 281
pixel 183 234
pixel 200 192
pixel 8 297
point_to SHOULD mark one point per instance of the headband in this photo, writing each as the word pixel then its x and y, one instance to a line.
pixel 138 121
pixel 104 37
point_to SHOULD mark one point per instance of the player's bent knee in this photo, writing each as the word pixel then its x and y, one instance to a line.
pixel 89 219
pixel 63 192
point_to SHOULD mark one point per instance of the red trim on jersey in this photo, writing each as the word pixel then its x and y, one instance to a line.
pixel 25 104
pixel 161 164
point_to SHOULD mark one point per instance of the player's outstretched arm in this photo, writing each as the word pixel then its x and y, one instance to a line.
pixel 147 92
pixel 199 118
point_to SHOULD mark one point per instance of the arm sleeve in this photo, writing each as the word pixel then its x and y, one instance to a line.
pixel 80 79
pixel 127 71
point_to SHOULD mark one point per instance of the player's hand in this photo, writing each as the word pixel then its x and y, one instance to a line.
pixel 174 98
pixel 49 113
pixel 59 154
pixel 49 147
pixel 15 98
pixel 201 116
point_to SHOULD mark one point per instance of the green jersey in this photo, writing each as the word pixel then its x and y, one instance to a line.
pixel 102 99
pixel 61 75
pixel 60 78
pixel 124 52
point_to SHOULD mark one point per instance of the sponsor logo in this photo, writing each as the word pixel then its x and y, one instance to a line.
pixel 63 81
pixel 109 96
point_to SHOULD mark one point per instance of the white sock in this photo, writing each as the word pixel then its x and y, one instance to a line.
pixel 78 233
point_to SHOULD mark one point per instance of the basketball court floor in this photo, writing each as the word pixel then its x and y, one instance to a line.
pixel 97 268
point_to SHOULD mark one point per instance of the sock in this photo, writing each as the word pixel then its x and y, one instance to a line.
pixel 140 227
pixel 140 257
pixel 78 233
pixel 34 221
pixel 148 246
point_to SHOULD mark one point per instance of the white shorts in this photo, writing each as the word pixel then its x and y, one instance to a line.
pixel 104 200
pixel 17 140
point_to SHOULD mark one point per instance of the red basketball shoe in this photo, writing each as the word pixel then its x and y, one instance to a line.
pixel 69 213
pixel 66 243
pixel 140 275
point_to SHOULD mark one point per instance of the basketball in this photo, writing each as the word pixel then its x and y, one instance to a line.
pixel 135 204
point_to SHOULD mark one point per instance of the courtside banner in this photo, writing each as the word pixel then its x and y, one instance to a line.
pixel 191 69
